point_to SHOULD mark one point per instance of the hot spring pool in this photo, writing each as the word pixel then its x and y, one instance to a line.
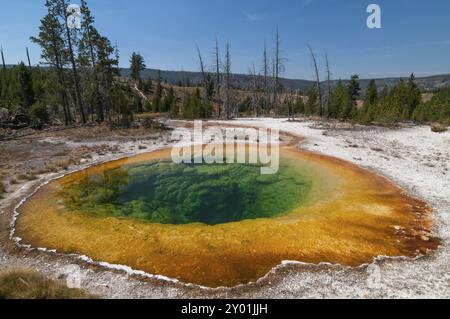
pixel 179 194
pixel 223 224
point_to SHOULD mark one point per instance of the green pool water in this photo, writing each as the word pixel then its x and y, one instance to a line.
pixel 168 193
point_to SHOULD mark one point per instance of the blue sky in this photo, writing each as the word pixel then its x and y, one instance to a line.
pixel 415 34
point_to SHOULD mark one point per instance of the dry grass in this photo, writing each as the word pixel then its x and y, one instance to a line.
pixel 2 186
pixel 2 189
pixel 27 177
pixel 66 164
pixel 9 154
pixel 25 284
pixel 43 171
pixel 51 169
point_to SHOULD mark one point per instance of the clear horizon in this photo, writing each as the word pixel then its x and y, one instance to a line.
pixel 415 35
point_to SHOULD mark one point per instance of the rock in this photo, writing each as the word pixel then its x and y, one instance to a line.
pixel 4 114
pixel 438 128
pixel 21 118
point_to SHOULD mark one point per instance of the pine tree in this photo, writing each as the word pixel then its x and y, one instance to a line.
pixel 90 34
pixel 137 104
pixel 371 93
pixel 53 52
pixel 311 105
pixel 71 40
pixel 196 104
pixel 168 101
pixel 90 40
pixel 187 108
pixel 156 101
pixel 354 88
pixel 370 103
pixel 414 97
pixel 209 87
pixel 399 100
pixel 299 107
pixel 26 86
pixel 342 106
pixel 77 60
pixel 137 65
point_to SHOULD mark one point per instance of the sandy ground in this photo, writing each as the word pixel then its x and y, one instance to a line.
pixel 415 158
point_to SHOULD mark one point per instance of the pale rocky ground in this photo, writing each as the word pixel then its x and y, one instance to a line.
pixel 414 158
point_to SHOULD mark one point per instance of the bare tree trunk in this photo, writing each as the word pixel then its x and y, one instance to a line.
pixel 202 66
pixel 328 85
pixel 3 58
pixel 227 73
pixel 206 78
pixel 100 107
pixel 29 60
pixel 319 91
pixel 61 79
pixel 74 66
pixel 292 104
pixel 217 65
pixel 273 103
pixel 266 80
pixel 252 72
pixel 276 71
pixel 66 108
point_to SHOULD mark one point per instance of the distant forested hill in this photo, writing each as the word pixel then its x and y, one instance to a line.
pixel 241 80
pixel 425 83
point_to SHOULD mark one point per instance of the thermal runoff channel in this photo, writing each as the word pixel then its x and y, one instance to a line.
pixel 224 224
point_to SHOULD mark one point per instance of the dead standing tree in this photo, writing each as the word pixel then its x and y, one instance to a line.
pixel 70 35
pixel 29 60
pixel 3 59
pixel 266 80
pixel 276 71
pixel 205 80
pixel 201 64
pixel 319 91
pixel 278 68
pixel 254 89
pixel 227 82
pixel 217 69
pixel 328 84
pixel 290 101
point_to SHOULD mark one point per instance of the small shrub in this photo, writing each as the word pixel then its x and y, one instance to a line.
pixel 52 169
pixel 152 124
pixel 24 284
pixel 38 113
pixel 65 165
